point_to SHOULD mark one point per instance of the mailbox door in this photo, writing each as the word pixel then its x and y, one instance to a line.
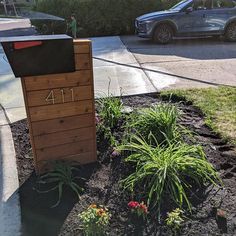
pixel 32 56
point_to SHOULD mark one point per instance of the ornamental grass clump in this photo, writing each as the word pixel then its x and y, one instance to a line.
pixel 167 172
pixel 110 110
pixel 62 175
pixel 95 220
pixel 159 120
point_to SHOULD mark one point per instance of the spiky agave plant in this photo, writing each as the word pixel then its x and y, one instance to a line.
pixel 159 120
pixel 62 175
pixel 167 171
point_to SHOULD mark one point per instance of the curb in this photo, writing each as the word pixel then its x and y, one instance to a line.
pixel 10 215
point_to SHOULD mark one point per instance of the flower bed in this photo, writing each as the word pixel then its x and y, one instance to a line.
pixel 211 206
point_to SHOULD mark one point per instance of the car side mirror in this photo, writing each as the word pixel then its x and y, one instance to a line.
pixel 189 10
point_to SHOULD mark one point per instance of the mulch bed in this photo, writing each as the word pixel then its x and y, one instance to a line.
pixel 102 187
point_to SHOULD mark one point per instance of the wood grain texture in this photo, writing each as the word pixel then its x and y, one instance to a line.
pixel 64 137
pixel 62 95
pixel 82 61
pixel 78 159
pixel 82 48
pixel 78 78
pixel 60 110
pixel 65 150
pixel 62 124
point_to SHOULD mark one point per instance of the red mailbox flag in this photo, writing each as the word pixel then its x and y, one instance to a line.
pixel 22 45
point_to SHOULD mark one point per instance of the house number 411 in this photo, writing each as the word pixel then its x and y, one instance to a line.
pixel 52 97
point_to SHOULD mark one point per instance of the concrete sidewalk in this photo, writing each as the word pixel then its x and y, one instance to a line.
pixel 11 97
pixel 10 217
pixel 115 71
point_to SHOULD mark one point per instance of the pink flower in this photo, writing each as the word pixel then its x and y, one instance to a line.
pixel 97 119
pixel 115 153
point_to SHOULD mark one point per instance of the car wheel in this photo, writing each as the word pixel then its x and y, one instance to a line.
pixel 163 34
pixel 230 34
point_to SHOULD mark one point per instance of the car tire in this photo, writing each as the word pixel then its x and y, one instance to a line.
pixel 163 34
pixel 230 33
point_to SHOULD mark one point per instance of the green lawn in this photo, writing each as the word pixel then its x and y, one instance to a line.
pixel 218 105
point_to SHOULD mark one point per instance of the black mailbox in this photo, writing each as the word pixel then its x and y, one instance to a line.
pixel 39 55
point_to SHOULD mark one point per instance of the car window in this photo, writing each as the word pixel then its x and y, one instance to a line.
pixel 223 4
pixel 181 5
pixel 202 4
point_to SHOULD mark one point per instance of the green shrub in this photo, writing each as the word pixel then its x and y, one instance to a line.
pixel 103 17
pixel 62 175
pixel 160 121
pixel 166 172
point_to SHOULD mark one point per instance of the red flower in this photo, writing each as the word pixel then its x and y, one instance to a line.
pixel 133 204
pixel 143 207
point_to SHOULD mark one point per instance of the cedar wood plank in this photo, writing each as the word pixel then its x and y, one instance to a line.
pixel 38 98
pixel 59 138
pixel 62 124
pixel 60 110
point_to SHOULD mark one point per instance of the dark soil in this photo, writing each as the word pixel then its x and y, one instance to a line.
pixel 102 187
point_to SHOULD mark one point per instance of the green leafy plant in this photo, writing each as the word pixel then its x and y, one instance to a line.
pixel 95 219
pixel 110 110
pixel 167 171
pixel 174 220
pixel 106 133
pixel 61 176
pixel 160 121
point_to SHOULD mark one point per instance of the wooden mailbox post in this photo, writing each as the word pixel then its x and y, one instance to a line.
pixel 61 113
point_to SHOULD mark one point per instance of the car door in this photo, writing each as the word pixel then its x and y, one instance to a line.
pixel 194 22
pixel 218 16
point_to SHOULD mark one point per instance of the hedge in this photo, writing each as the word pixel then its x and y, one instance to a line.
pixel 103 17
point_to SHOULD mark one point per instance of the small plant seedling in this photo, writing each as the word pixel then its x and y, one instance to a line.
pixel 221 220
pixel 110 110
pixel 95 219
pixel 62 175
pixel 174 220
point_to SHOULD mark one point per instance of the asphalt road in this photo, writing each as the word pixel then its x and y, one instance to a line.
pixel 192 62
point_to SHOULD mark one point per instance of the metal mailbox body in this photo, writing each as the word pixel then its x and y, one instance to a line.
pixel 39 55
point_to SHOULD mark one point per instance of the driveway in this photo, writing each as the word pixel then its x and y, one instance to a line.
pixel 191 62
pixel 129 65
